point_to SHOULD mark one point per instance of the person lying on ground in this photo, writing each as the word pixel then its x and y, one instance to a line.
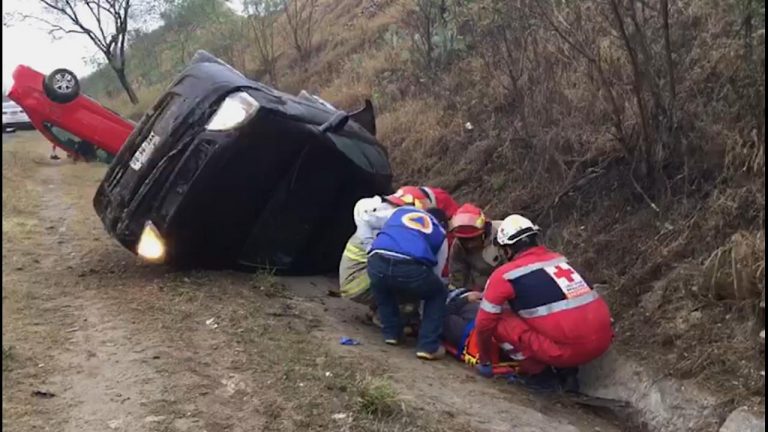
pixel 541 306
pixel 460 336
pixel 473 256
pixel 404 262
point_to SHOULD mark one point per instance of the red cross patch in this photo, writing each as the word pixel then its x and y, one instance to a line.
pixel 568 280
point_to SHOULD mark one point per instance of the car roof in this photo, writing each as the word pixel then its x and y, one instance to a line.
pixel 10 104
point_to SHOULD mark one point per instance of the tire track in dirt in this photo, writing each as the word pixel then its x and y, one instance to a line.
pixel 126 346
pixel 107 370
pixel 444 386
pixel 99 380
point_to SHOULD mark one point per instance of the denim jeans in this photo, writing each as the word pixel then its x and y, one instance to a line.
pixel 394 280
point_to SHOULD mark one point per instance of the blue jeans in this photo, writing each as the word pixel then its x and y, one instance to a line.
pixel 394 280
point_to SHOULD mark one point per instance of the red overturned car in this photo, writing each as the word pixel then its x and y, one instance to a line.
pixel 69 119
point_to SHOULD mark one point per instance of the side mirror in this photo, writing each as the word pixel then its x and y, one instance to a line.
pixel 365 117
pixel 337 122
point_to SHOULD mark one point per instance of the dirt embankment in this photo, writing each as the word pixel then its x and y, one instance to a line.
pixel 128 347
pixel 633 133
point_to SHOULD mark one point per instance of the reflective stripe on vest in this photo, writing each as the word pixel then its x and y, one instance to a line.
pixel 490 307
pixel 356 285
pixel 516 273
pixel 512 352
pixel 561 305
pixel 355 253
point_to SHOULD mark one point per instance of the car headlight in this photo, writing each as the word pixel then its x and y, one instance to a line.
pixel 235 110
pixel 151 245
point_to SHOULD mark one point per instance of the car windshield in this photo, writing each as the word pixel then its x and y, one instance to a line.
pixel 73 143
pixel 368 157
pixel 65 138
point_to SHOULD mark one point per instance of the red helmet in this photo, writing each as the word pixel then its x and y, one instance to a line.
pixel 469 221
pixel 442 200
pixel 409 195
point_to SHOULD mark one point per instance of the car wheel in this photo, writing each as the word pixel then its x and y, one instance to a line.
pixel 61 86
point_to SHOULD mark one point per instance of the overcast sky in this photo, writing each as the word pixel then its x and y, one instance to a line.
pixel 30 44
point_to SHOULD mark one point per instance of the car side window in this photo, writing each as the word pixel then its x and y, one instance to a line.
pixel 64 137
pixel 69 140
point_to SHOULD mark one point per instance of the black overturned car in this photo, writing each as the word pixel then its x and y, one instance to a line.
pixel 226 172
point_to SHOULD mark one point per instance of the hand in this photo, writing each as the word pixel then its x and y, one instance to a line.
pixel 485 370
pixel 474 297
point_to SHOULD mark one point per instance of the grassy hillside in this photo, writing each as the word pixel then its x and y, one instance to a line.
pixel 634 135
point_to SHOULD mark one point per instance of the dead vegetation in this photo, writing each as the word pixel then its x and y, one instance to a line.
pixel 212 349
pixel 634 132
pixel 378 398
pixel 9 358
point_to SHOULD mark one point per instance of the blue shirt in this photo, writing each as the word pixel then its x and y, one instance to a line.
pixel 412 233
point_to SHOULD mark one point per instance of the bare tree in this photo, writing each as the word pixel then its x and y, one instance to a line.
pixel 302 17
pixel 104 22
pixel 434 29
pixel 262 18
pixel 184 19
pixel 181 29
pixel 422 19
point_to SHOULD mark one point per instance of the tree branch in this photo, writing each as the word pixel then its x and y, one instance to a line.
pixel 108 34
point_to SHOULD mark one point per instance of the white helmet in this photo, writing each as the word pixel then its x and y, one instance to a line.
pixel 514 228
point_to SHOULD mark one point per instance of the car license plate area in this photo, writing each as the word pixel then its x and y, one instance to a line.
pixel 144 152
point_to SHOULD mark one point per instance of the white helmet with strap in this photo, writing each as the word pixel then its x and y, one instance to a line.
pixel 514 228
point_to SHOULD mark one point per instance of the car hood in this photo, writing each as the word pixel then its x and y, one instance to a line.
pixel 221 79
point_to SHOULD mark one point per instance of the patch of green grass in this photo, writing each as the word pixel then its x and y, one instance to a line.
pixel 378 398
pixel 9 357
pixel 268 283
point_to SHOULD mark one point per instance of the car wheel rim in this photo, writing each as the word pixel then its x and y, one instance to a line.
pixel 63 82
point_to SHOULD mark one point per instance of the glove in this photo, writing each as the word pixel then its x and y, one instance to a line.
pixel 485 370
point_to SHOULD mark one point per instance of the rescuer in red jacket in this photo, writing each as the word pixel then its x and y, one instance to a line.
pixel 541 306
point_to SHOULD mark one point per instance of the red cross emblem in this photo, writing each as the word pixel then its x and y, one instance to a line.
pixel 564 273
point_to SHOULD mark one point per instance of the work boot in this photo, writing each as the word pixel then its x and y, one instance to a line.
pixel 547 381
pixel 436 355
pixel 569 379
pixel 373 316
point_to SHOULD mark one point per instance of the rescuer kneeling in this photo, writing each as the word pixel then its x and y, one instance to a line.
pixel 540 305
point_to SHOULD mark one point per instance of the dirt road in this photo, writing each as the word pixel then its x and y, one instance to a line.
pixel 94 340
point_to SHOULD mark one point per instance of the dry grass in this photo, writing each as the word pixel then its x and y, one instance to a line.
pixel 378 398
pixel 301 384
pixel 147 98
pixel 26 353
pixel 567 145
pixel 734 271
pixel 414 133
pixel 9 358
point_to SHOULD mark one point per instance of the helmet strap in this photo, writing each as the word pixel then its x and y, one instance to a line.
pixel 524 244
pixel 508 252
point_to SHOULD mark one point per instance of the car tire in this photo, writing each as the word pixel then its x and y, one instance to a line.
pixel 61 86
